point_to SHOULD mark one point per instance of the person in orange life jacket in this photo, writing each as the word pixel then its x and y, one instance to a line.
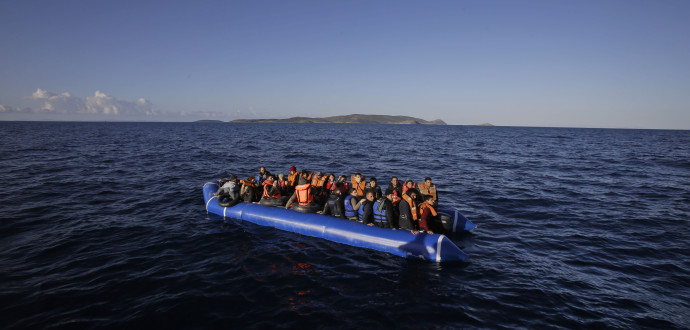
pixel 248 189
pixel 271 188
pixel 359 183
pixel 408 185
pixel 304 193
pixel 352 203
pixel 384 214
pixel 318 181
pixel 409 214
pixel 335 205
pixel 428 188
pixel 292 179
pixel 375 188
pixel 426 213
pixel 365 214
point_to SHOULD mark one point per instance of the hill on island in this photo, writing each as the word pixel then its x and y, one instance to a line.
pixel 349 119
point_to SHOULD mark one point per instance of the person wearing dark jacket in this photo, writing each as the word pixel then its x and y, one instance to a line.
pixel 375 188
pixel 384 216
pixel 408 211
pixel 366 209
pixel 335 204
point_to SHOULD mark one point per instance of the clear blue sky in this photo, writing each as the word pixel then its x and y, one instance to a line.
pixel 525 63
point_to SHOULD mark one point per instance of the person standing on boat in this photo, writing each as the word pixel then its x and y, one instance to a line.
pixel 365 213
pixel 375 188
pixel 426 214
pixel 429 189
pixel 408 211
pixel 384 216
pixel 335 205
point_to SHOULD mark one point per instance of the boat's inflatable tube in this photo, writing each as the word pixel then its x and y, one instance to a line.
pixel 455 222
pixel 403 243
pixel 311 208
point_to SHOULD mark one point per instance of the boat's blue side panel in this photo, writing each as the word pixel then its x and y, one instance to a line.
pixel 399 242
pixel 460 223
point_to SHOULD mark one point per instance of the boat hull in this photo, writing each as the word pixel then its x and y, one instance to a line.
pixel 432 247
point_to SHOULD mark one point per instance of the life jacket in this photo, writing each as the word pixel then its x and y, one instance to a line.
pixel 345 188
pixel 276 191
pixel 247 183
pixel 396 199
pixel 427 205
pixel 359 186
pixel 349 210
pixel 360 212
pixel 380 217
pixel 292 179
pixel 405 187
pixel 304 196
pixel 430 191
pixel 413 206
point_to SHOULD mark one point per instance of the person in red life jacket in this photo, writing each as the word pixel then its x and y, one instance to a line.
pixel 396 188
pixel 359 183
pixel 409 215
pixel 248 190
pixel 426 214
pixel 429 189
pixel 365 213
pixel 345 187
pixel 375 188
pixel 330 182
pixel 271 188
pixel 282 184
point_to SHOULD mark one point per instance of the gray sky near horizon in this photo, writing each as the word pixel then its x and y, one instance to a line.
pixel 621 64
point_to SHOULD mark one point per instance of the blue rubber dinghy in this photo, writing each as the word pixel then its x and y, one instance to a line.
pixel 438 248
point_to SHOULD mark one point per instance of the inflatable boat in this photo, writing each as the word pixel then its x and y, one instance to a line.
pixel 432 247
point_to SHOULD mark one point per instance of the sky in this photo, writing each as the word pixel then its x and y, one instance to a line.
pixel 556 63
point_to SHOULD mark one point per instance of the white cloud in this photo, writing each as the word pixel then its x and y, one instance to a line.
pixel 100 103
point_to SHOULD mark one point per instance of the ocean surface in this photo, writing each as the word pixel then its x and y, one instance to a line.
pixel 104 225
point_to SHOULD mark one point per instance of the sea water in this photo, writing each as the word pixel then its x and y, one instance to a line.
pixel 104 225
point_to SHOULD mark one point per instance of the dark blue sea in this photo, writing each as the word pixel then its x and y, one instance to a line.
pixel 103 225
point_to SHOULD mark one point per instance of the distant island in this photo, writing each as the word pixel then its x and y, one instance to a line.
pixel 349 119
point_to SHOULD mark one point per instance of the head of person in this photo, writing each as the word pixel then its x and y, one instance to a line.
pixel 429 199
pixel 358 177
pixel 331 177
pixel 262 170
pixel 394 181
pixel 427 182
pixel 293 169
pixel 370 196
pixel 353 191
pixel 389 195
pixel 409 183
pixel 372 182
pixel 318 174
pixel 270 178
pixel 250 179
pixel 281 176
pixel 305 174
pixel 233 178
pixel 342 178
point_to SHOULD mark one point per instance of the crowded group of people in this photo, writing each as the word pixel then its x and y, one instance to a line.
pixel 408 206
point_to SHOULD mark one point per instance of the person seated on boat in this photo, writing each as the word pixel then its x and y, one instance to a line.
pixel 330 182
pixel 396 188
pixel 263 175
pixel 248 190
pixel 426 214
pixel 305 177
pixel 271 195
pixel 375 188
pixel 304 195
pixel 318 181
pixel 352 203
pixel 428 188
pixel 384 214
pixel 408 211
pixel 335 205
pixel 345 187
pixel 409 184
pixel 282 184
pixel 292 179
pixel 358 182
pixel 365 213
pixel 229 193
